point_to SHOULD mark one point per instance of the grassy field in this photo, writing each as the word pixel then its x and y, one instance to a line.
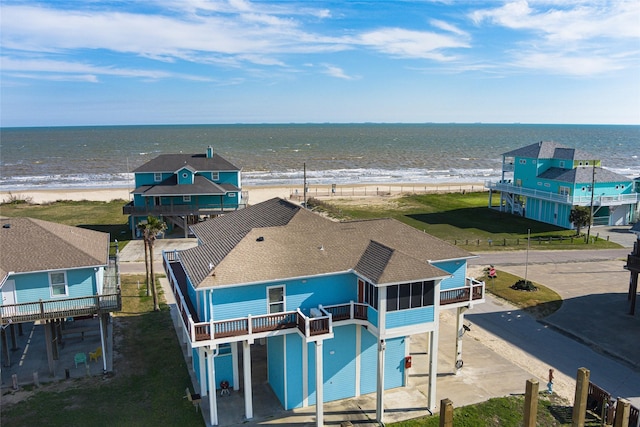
pixel 463 220
pixel 146 389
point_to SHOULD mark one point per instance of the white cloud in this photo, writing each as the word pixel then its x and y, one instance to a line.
pixel 412 44
pixel 81 70
pixel 337 72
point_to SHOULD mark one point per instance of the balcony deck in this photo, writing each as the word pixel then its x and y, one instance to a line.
pixel 60 309
pixel 472 292
pixel 191 209
pixel 598 200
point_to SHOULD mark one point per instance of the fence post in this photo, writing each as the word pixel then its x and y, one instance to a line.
pixel 446 413
pixel 531 403
pixel 623 411
pixel 580 401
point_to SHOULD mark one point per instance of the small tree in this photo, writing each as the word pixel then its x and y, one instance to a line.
pixel 580 216
pixel 150 230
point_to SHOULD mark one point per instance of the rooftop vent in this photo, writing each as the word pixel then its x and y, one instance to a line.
pixel 260 239
pixel 6 225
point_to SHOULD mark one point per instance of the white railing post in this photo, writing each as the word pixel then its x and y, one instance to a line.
pixel 352 309
pixel 249 324
pixel 192 330
pixel 307 332
pixel 211 329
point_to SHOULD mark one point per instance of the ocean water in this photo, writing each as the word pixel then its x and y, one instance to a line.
pixel 104 156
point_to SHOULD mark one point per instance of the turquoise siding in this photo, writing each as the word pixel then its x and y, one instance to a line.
pixel 372 316
pixel 339 364
pixel 457 268
pixel 224 366
pixel 275 366
pixel 239 301
pixel 35 286
pixel 368 362
pixel 327 290
pixel 185 176
pixel 294 371
pixel 227 177
pixel 230 303
pixel 394 363
pixel 413 316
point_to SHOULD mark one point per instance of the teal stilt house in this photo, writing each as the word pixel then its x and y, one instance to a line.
pixel 545 180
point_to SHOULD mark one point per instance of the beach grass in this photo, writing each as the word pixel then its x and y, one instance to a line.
pixel 146 389
pixel 464 219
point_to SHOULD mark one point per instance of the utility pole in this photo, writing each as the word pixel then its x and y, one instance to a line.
pixel 304 177
pixel 593 190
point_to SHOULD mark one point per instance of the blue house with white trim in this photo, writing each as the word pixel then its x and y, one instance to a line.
pixel 51 273
pixel 183 188
pixel 545 180
pixel 335 303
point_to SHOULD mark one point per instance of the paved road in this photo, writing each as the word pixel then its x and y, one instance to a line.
pixel 554 349
pixel 592 329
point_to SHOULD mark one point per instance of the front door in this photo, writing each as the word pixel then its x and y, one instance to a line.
pixel 9 292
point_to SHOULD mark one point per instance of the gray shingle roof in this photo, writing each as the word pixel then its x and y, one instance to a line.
pixel 549 150
pixel 582 175
pixel 277 240
pixel 29 244
pixel 198 162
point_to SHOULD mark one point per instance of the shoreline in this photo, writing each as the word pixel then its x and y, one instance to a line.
pixel 256 194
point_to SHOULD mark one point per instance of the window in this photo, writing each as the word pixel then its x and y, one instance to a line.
pixel 523 161
pixel 565 191
pixel 231 194
pixel 562 164
pixel 367 293
pixel 157 177
pixel 410 295
pixel 58 281
pixel 186 198
pixel 275 296
pixel 185 175
pixel 215 176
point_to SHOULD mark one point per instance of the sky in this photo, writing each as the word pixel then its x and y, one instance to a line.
pixel 119 62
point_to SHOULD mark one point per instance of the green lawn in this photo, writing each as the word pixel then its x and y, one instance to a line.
pixel 147 387
pixel 464 220
pixel 505 412
pixel 539 304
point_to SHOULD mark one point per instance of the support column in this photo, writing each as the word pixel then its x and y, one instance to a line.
pixel 531 403
pixel 202 363
pixel 433 367
pixel 47 340
pixel 234 365
pixel 54 340
pixel 460 333
pixel 103 341
pixel 213 398
pixel 382 346
pixel 319 386
pixel 305 374
pixel 358 358
pixel 246 363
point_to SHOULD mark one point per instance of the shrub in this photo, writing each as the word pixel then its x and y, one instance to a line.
pixel 524 285
pixel 17 199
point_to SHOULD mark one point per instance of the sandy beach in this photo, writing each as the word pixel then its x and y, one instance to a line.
pixel 256 194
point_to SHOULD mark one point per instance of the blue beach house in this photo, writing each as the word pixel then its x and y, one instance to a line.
pixel 52 273
pixel 183 188
pixel 545 180
pixel 335 303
